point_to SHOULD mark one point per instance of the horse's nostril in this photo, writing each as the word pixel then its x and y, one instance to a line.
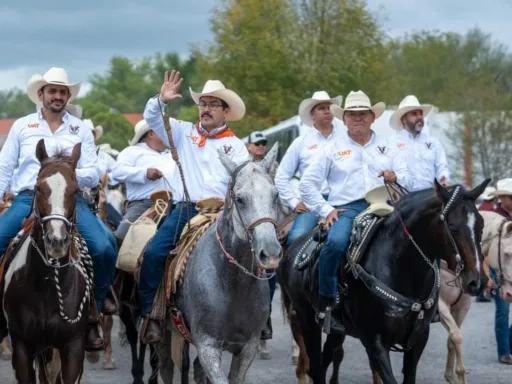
pixel 473 287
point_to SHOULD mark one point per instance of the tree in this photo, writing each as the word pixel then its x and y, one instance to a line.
pixel 14 103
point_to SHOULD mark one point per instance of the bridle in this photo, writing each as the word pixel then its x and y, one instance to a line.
pixel 232 206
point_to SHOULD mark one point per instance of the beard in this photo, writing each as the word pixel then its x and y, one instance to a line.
pixel 49 105
pixel 415 125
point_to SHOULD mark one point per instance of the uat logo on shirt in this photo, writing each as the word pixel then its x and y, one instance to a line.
pixel 314 146
pixel 34 125
pixel 344 153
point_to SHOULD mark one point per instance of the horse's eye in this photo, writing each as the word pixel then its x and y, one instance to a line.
pixel 239 200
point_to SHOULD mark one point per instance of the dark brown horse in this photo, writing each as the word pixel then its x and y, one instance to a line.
pixel 50 278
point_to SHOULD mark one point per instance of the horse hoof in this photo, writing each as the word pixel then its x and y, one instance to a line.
pixel 265 355
pixel 295 360
pixel 93 357
pixel 109 365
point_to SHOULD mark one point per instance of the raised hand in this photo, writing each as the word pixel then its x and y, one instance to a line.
pixel 171 86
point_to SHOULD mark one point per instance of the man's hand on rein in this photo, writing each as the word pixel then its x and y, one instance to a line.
pixel 389 176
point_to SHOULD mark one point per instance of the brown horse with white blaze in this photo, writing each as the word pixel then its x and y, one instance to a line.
pixel 50 275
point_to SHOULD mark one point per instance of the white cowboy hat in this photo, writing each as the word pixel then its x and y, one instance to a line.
pixel 378 197
pixel 357 101
pixel 140 129
pixel 215 88
pixel 487 194
pixel 57 76
pixel 503 187
pixel 74 110
pixel 107 148
pixel 307 105
pixel 98 130
pixel 409 103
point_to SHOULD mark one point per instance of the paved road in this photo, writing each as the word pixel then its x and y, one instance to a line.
pixel 479 352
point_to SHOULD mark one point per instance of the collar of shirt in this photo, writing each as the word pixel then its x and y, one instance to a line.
pixel 370 142
pixel 41 118
pixel 317 131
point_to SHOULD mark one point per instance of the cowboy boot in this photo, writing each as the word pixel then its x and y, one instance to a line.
pixel 153 332
pixel 324 317
pixel 93 340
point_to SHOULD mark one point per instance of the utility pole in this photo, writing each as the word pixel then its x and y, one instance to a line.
pixel 468 152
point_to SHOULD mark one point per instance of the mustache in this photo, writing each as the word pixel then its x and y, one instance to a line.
pixel 419 121
pixel 206 114
pixel 59 100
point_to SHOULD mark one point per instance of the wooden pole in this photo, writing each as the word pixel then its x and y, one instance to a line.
pixel 468 152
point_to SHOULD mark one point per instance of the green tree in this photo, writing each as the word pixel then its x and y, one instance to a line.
pixel 15 103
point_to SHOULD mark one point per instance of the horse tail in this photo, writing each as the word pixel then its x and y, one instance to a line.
pixel 286 306
pixel 177 349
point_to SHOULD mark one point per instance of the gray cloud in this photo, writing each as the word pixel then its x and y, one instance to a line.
pixel 83 36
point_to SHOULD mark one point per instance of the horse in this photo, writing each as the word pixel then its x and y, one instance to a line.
pixel 49 280
pixel 228 306
pixel 389 299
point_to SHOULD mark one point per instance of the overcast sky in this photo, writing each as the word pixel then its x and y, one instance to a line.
pixel 82 36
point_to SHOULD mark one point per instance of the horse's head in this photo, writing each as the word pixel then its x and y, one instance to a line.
pixel 54 199
pixel 252 202
pixel 464 230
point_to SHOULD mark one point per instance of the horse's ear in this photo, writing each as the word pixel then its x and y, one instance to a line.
pixel 270 157
pixel 75 155
pixel 478 190
pixel 441 191
pixel 229 164
pixel 41 153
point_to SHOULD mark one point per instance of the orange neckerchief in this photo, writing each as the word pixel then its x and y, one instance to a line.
pixel 226 132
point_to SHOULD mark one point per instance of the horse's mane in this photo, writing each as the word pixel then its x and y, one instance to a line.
pixel 59 157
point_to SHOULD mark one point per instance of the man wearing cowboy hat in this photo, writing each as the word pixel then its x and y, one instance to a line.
pixel 145 167
pixel 353 164
pixel 18 162
pixel 315 113
pixel 502 326
pixel 197 145
pixel 488 200
pixel 424 154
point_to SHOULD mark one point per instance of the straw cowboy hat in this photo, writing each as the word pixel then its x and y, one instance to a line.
pixel 358 101
pixel 307 105
pixel 488 193
pixel 140 129
pixel 409 103
pixel 74 110
pixel 503 187
pixel 215 88
pixel 98 130
pixel 56 76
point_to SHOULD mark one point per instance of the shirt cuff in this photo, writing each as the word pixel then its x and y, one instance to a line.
pixel 325 210
pixel 293 202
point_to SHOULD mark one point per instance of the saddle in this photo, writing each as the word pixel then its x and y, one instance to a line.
pixel 209 210
pixel 363 228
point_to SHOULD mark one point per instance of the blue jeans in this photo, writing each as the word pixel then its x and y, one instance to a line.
pixel 337 243
pixel 502 328
pixel 161 244
pixel 304 222
pixel 100 242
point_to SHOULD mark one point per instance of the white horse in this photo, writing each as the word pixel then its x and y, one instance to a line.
pixel 454 304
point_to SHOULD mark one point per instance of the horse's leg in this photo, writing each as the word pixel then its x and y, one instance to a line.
pixel 153 362
pixel 302 359
pixel 459 315
pixel 6 352
pixel 242 361
pixel 379 359
pixel 312 335
pixel 331 345
pixel 337 358
pixel 164 355
pixel 185 363
pixel 199 373
pixel 132 337
pixel 295 352
pixel 412 357
pixel 210 354
pixel 451 326
pixel 72 361
pixel 108 323
pixel 22 362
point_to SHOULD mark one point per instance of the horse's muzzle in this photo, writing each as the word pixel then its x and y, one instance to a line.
pixel 473 287
pixel 269 257
pixel 57 246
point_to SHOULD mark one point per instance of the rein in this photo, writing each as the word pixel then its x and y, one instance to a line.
pixel 232 205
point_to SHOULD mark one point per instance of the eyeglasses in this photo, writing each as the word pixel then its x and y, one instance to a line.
pixel 213 106
pixel 260 143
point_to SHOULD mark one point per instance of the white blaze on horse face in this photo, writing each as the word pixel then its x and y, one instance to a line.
pixel 57 184
pixel 471 226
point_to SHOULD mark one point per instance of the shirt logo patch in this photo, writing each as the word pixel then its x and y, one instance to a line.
pixel 343 153
pixel 228 149
pixel 195 139
pixel 311 147
pixel 401 145
pixel 35 125
pixel 73 129
pixel 428 145
pixel 382 149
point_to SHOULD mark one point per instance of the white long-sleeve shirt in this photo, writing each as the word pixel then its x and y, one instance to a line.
pixel 105 162
pixel 351 170
pixel 131 168
pixel 19 151
pixel 425 158
pixel 298 157
pixel 205 175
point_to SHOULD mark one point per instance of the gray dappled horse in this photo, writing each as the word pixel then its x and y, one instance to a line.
pixel 224 301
